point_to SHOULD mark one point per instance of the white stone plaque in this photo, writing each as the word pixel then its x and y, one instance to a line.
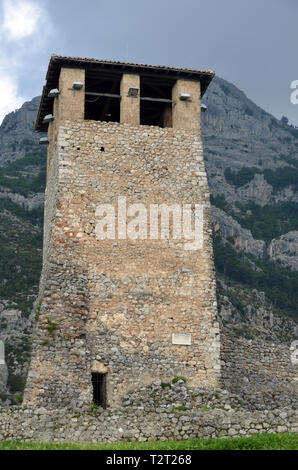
pixel 181 338
pixel 2 353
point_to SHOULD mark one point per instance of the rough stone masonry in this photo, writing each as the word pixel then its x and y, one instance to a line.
pixel 111 307
pixel 161 411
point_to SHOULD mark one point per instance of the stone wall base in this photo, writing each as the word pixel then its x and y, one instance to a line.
pixel 175 413
pixel 96 426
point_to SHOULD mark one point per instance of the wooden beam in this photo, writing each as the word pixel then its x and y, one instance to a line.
pixel 161 100
pixel 143 98
pixel 109 95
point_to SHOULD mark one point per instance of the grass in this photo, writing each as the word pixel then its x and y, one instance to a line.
pixel 264 441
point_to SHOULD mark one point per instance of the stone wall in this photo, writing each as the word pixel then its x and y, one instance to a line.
pixel 162 411
pixel 66 425
pixel 112 306
pixel 260 371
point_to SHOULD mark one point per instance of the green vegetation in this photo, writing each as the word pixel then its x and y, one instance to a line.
pixel 21 230
pixel 270 221
pixel 225 88
pixel 20 349
pixel 18 397
pixel 20 263
pixel 51 326
pixel 35 216
pixel 282 178
pixel 176 379
pixel 220 201
pixel 274 124
pixel 241 177
pixel 165 384
pixel 16 383
pixel 264 441
pixel 179 408
pixel 21 252
pixel 265 223
pixel 290 160
pixel 4 396
pixel 248 110
pixel 26 175
pixel 279 284
pixel 292 131
pixel 37 313
pixel 94 406
pixel 279 179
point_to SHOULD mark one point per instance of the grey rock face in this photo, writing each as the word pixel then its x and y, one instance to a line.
pixel 233 122
pixel 19 253
pixel 229 228
pixel 17 131
pixel 257 191
pixel 285 249
pixel 238 134
pixel 27 203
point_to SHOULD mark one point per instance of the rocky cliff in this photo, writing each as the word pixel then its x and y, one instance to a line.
pixel 22 181
pixel 252 166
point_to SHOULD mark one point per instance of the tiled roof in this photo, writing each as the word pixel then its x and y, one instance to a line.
pixel 58 58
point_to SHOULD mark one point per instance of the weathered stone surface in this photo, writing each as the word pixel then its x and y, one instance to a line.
pixel 174 412
pixel 261 372
pixel 118 302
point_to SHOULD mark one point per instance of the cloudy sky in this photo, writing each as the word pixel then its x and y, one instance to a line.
pixel 252 44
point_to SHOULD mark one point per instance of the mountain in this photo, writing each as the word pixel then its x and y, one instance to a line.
pixel 252 167
pixel 22 183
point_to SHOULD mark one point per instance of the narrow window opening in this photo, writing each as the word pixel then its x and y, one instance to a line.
pixel 99 383
pixel 156 102
pixel 102 97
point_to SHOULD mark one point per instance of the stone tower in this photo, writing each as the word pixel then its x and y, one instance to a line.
pixel 127 295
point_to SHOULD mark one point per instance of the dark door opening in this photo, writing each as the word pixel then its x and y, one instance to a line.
pixel 99 383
